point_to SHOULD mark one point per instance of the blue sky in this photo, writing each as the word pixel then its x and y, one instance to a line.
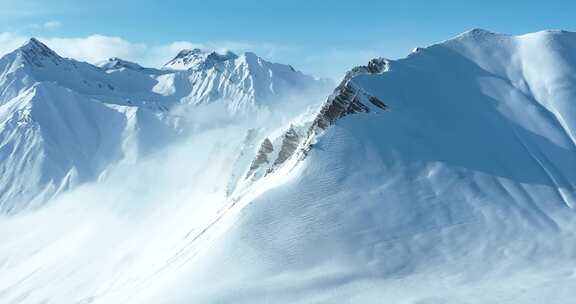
pixel 319 37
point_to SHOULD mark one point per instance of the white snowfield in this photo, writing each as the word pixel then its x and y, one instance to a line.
pixel 462 190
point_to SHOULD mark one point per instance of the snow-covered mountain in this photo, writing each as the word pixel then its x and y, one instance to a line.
pixel 64 122
pixel 197 59
pixel 244 81
pixel 445 177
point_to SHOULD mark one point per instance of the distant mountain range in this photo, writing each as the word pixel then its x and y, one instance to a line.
pixel 64 122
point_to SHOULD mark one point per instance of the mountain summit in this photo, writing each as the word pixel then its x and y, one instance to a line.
pixel 198 59
pixel 36 53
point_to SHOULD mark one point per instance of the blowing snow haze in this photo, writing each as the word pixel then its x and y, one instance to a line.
pixel 445 177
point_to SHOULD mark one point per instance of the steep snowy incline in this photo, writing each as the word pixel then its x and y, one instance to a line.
pixel 462 191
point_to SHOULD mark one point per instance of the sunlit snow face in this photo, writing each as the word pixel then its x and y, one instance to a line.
pixel 141 218
pixel 124 228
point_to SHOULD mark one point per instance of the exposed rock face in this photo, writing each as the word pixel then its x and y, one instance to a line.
pixel 343 103
pixel 262 156
pixel 377 102
pixel 268 159
pixel 347 99
pixel 35 53
pixel 290 142
pixel 377 66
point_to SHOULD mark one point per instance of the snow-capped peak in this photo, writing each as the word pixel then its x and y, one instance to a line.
pixel 198 59
pixel 36 53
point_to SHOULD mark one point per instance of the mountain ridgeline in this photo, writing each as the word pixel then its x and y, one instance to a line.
pixel 437 178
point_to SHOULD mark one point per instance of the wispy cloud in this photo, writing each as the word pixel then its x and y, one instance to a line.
pixel 95 48
pixel 330 63
pixel 52 25
pixel 10 41
pixel 46 26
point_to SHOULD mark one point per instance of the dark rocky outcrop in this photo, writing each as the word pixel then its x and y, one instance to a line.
pixel 341 104
pixel 261 157
pixel 36 53
pixel 346 99
pixel 290 142
pixel 377 102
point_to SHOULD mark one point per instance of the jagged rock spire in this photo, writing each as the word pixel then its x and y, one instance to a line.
pixel 37 53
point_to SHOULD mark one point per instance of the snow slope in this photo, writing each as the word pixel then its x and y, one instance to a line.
pixel 64 122
pixel 462 191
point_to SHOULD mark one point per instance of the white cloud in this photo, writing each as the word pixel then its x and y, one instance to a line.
pixel 10 41
pixel 52 25
pixel 96 48
pixel 46 26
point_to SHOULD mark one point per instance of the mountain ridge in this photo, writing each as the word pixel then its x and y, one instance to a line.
pixel 34 76
pixel 465 180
